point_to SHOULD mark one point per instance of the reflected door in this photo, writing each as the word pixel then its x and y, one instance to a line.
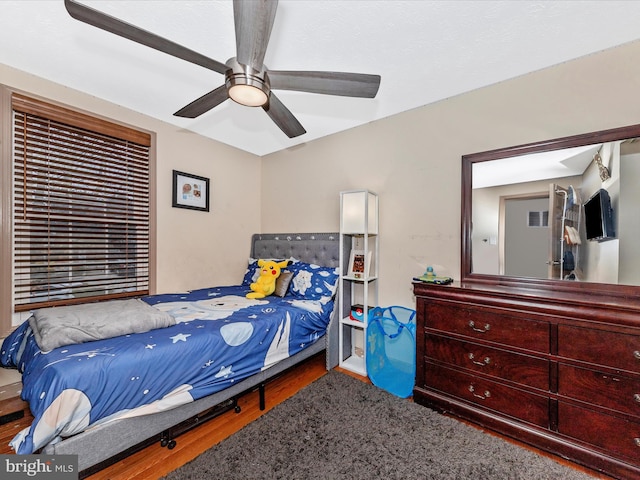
pixel 526 236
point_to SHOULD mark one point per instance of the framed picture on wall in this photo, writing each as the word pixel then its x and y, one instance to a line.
pixel 358 261
pixel 190 191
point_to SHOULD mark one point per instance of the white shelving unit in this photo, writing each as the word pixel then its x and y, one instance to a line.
pixel 359 273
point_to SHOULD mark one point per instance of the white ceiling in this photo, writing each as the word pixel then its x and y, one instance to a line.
pixel 566 162
pixel 425 51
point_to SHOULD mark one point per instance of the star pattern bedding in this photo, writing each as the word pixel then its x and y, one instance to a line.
pixel 220 337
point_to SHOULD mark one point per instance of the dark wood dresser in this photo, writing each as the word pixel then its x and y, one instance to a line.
pixel 559 371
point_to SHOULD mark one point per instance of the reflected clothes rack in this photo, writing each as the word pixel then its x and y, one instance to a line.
pixel 566 234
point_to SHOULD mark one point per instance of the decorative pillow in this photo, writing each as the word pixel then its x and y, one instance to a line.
pixel 282 283
pixel 313 282
pixel 252 273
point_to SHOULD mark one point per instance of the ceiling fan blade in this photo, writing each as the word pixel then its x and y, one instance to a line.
pixel 253 23
pixel 327 83
pixel 204 103
pixel 283 118
pixel 131 32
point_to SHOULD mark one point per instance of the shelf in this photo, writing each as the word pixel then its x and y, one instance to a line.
pixel 354 279
pixel 355 364
pixel 353 323
pixel 358 274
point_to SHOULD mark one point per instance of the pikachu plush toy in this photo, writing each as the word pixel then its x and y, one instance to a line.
pixel 265 285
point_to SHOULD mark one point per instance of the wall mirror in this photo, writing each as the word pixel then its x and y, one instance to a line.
pixel 560 214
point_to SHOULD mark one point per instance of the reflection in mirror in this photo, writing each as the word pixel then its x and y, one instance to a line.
pixel 563 210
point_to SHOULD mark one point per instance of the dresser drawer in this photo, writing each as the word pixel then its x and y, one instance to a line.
pixel 515 367
pixel 612 434
pixel 516 403
pixel 617 350
pixel 617 392
pixel 484 324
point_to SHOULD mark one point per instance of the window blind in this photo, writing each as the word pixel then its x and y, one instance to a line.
pixel 81 207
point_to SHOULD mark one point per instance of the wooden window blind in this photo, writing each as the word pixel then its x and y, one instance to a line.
pixel 81 207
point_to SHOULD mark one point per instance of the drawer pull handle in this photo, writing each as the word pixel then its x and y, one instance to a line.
pixel 636 354
pixel 486 394
pixel 485 362
pixel 485 329
pixel 636 397
pixel 637 441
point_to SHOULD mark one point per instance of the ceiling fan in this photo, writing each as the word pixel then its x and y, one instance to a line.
pixel 247 80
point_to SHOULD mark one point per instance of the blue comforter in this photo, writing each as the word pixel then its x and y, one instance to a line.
pixel 221 337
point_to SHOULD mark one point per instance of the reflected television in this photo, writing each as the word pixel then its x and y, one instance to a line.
pixel 598 216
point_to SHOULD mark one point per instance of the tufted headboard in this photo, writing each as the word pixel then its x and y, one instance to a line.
pixel 319 248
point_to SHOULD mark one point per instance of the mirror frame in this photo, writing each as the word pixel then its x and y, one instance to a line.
pixel 466 259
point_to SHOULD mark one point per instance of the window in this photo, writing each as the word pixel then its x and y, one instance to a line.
pixel 81 229
pixel 538 219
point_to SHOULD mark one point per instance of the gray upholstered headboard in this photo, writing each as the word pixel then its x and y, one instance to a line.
pixel 318 248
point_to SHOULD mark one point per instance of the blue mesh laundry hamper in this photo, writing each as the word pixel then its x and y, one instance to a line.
pixel 391 349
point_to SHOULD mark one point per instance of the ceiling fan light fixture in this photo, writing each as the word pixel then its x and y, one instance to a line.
pixel 245 85
pixel 248 95
pixel 247 89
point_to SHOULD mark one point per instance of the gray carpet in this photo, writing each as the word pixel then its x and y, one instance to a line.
pixel 341 428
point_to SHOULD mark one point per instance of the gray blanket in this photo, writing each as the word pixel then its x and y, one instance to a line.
pixel 58 326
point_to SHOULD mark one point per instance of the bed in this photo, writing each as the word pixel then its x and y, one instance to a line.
pixel 217 346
